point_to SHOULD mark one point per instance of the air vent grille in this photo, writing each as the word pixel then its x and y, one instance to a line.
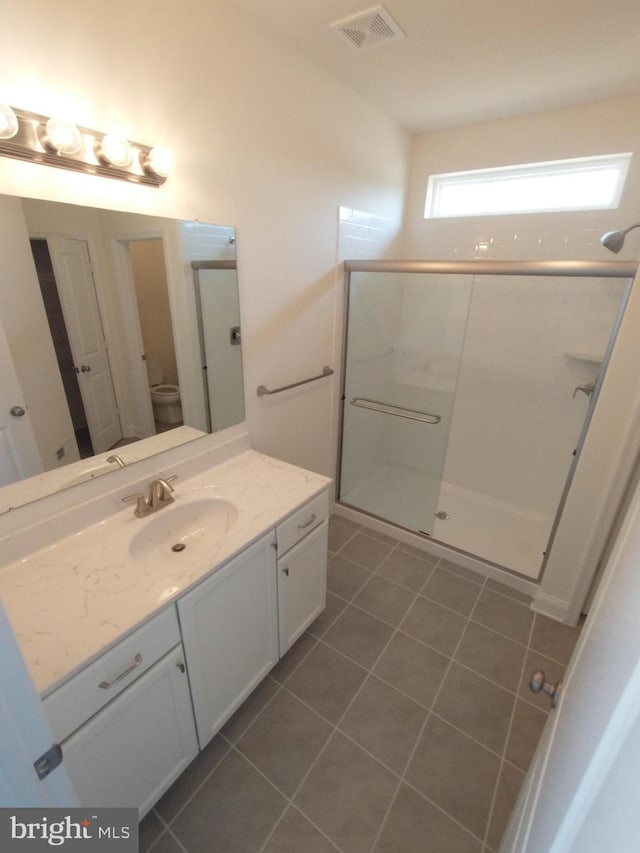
pixel 368 28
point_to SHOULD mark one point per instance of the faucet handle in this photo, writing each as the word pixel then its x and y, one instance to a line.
pixel 142 507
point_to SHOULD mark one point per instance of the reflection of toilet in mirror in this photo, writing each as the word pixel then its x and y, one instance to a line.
pixel 165 399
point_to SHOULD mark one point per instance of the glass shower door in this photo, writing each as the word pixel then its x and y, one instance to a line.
pixel 405 333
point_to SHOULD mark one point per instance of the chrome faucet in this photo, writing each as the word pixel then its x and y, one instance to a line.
pixel 159 495
pixel 117 459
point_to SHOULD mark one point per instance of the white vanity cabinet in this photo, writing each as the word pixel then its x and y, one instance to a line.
pixel 137 733
pixel 229 626
pixel 302 569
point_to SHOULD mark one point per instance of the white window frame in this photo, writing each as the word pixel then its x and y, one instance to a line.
pixel 554 173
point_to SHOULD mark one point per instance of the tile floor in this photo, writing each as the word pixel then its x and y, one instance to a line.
pixel 401 722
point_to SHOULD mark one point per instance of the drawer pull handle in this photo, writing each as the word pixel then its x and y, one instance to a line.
pixel 136 663
pixel 308 523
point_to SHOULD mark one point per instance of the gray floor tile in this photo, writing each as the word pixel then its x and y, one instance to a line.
pixel 504 615
pixel 509 591
pixel 416 826
pixel 339 534
pixel 461 571
pixel 347 795
pixel 236 806
pixel 149 830
pixel 195 774
pixel 292 659
pixel 492 655
pixel 554 639
pixel 509 785
pixel 327 682
pixel 359 636
pixel 384 599
pixel 456 773
pixel 366 551
pixel 236 725
pixel 296 835
pixel 285 741
pixel 385 723
pixel 527 726
pixel 406 569
pixel 413 668
pixel 325 620
pixel 434 625
pixel 553 671
pixel 451 591
pixel 344 577
pixel 167 844
pixel 478 707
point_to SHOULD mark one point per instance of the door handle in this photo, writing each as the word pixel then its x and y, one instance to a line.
pixel 17 411
pixel 85 368
pixel 538 684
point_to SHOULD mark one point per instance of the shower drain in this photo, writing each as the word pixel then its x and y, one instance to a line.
pixel 442 515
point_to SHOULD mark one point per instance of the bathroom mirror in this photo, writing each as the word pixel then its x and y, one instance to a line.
pixel 123 332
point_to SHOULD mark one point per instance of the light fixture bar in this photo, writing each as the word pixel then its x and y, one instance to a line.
pixel 30 143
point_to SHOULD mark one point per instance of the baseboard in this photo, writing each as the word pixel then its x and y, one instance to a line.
pixel 549 605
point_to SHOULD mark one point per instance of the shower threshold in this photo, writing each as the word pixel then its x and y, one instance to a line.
pixel 507 535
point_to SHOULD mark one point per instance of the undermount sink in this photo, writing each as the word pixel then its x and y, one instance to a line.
pixel 180 525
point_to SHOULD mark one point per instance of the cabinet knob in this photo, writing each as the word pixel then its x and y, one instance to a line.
pixel 181 666
pixel 285 572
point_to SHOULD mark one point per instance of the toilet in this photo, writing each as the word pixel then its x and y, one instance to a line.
pixel 165 399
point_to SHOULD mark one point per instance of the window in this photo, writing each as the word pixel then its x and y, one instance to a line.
pixel 587 183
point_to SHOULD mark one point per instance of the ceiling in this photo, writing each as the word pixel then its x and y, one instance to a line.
pixel 464 62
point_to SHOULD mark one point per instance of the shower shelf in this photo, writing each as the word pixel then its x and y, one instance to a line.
pixel 591 358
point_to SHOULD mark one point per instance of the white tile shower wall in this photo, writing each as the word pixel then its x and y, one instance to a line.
pixel 515 423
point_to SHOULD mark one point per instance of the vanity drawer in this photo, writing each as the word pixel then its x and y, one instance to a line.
pixel 72 704
pixel 303 521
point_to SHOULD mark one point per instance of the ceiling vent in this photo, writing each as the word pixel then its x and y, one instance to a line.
pixel 368 28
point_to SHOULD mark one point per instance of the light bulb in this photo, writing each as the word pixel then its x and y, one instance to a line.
pixel 8 122
pixel 157 162
pixel 62 136
pixel 115 151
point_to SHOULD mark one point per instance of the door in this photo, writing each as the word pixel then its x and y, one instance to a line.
pixel 74 278
pixel 25 735
pixel 580 795
pixel 404 338
pixel 19 454
pixel 131 752
pixel 229 627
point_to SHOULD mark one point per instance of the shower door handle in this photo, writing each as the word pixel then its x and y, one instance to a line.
pixel 397 411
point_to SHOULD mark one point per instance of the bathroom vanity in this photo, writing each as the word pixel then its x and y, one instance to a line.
pixel 144 635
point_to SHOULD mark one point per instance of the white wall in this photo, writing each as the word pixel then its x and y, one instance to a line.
pixel 515 422
pixel 262 139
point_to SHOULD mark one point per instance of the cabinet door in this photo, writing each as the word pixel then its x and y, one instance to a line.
pixel 302 585
pixel 131 751
pixel 229 628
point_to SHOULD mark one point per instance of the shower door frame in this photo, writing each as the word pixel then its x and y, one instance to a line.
pixel 566 269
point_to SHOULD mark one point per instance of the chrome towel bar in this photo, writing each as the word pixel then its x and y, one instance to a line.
pixel 262 390
pixel 398 411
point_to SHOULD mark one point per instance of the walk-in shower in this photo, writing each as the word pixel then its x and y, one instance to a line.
pixel 467 390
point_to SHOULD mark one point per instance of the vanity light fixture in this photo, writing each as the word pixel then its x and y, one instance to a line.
pixel 55 142
pixel 8 122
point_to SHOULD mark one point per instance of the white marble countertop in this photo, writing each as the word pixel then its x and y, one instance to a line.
pixel 70 601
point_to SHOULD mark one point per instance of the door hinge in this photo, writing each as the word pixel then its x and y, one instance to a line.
pixel 48 761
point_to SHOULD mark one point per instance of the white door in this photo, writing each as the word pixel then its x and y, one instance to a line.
pixel 74 278
pixel 19 454
pixel 25 735
pixel 581 793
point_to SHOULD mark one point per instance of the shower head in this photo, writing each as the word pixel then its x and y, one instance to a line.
pixel 614 240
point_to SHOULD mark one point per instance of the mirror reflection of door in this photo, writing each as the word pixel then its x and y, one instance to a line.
pixel 149 276
pixel 68 291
